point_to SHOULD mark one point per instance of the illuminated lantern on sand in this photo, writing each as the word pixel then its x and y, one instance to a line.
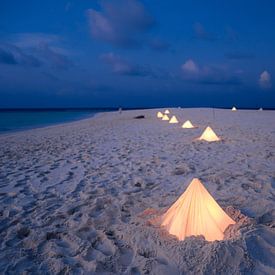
pixel 159 115
pixel 187 124
pixel 234 109
pixel 173 120
pixel 165 117
pixel 209 135
pixel 167 112
pixel 196 213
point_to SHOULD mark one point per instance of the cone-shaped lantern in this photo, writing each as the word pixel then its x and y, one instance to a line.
pixel 167 112
pixel 234 108
pixel 165 117
pixel 159 115
pixel 196 213
pixel 173 120
pixel 209 135
pixel 187 124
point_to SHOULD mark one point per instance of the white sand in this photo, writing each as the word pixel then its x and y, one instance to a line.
pixel 73 196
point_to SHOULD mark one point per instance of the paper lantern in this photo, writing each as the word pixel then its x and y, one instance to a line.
pixel 159 115
pixel 173 120
pixel 187 124
pixel 196 213
pixel 165 117
pixel 209 135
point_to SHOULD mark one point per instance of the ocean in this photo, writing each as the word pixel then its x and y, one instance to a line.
pixel 17 119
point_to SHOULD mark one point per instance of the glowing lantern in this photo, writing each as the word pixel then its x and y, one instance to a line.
pixel 159 115
pixel 165 117
pixel 167 112
pixel 234 109
pixel 260 109
pixel 209 135
pixel 173 120
pixel 187 124
pixel 196 213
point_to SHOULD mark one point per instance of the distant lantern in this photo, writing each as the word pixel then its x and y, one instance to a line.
pixel 165 117
pixel 187 124
pixel 196 213
pixel 261 109
pixel 167 112
pixel 159 115
pixel 173 120
pixel 234 108
pixel 209 135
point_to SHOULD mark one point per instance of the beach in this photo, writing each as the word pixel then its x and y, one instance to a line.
pixel 79 198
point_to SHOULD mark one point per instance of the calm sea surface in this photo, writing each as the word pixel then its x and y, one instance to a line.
pixel 16 120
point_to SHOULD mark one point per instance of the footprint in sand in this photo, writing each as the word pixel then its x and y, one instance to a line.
pixel 125 258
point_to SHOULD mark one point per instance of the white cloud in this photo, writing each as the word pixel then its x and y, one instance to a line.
pixel 190 67
pixel 265 80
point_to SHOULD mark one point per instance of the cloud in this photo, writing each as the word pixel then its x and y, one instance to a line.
pixel 238 56
pixel 120 23
pixel 53 58
pixel 265 80
pixel 207 75
pixel 35 49
pixel 32 40
pixel 13 55
pixel 7 57
pixel 190 67
pixel 202 34
pixel 123 67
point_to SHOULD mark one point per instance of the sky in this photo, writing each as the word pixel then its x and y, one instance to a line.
pixel 137 53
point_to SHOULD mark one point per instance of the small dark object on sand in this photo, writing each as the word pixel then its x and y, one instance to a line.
pixel 139 117
pixel 23 233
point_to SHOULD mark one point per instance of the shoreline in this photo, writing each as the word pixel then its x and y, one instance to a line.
pixel 11 132
pixel 30 128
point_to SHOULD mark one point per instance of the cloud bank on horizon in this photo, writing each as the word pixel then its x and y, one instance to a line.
pixel 136 53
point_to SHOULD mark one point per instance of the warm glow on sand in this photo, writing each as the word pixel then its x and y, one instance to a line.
pixel 165 117
pixel 234 109
pixel 173 120
pixel 167 112
pixel 187 124
pixel 159 115
pixel 209 135
pixel 196 213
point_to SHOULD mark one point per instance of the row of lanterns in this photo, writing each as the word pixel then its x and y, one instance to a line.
pixel 207 135
pixel 195 212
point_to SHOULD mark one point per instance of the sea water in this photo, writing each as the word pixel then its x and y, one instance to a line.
pixel 16 120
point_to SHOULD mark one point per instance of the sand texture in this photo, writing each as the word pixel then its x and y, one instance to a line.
pixel 80 198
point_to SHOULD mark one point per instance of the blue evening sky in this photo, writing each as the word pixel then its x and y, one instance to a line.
pixel 137 53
